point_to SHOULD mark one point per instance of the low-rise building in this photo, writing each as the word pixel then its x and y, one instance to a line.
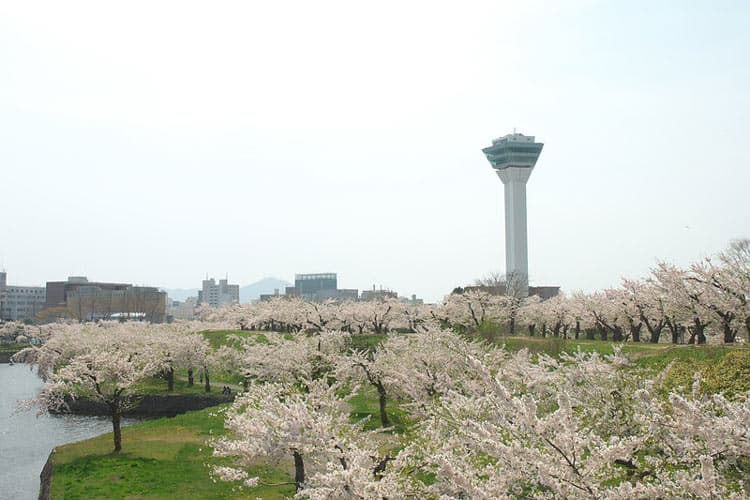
pixel 375 294
pixel 267 297
pixel 412 301
pixel 20 303
pixel 182 310
pixel 320 287
pixel 85 300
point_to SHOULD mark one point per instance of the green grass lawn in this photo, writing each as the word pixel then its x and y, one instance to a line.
pixel 364 405
pixel 363 341
pixel 642 353
pixel 724 368
pixel 158 385
pixel 218 338
pixel 161 459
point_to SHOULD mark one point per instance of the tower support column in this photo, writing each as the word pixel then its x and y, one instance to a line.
pixel 516 238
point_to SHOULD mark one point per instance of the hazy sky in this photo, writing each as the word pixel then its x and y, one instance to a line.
pixel 154 142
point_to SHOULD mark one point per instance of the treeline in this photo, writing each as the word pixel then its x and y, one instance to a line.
pixel 708 299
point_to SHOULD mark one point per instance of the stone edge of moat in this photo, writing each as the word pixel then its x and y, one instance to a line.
pixel 45 478
pixel 151 405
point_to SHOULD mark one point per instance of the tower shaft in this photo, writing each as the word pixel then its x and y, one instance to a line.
pixel 516 237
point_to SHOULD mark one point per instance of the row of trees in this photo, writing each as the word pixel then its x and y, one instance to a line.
pixel 710 298
pixel 106 361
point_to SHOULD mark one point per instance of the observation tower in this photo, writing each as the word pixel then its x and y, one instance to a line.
pixel 513 157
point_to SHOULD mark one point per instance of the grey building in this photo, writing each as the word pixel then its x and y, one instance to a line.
pixel 218 295
pixel 319 287
pixel 375 294
pixel 310 284
pixel 19 303
pixel 86 300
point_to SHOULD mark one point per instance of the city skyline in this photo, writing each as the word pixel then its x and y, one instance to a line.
pixel 268 145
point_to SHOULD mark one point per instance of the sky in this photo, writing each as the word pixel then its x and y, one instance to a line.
pixel 157 142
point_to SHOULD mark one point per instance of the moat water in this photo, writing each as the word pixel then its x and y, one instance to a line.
pixel 26 439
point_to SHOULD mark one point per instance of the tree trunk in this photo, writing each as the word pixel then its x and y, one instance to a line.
pixel 578 329
pixel 208 383
pixel 635 332
pixel 299 471
pixel 700 330
pixel 381 402
pixel 531 330
pixel 729 333
pixel 116 427
pixel 655 335
pixel 170 379
pixel 191 379
pixel 676 333
pixel 590 334
pixel 617 334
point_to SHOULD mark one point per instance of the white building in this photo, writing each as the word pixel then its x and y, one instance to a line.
pixel 19 303
pixel 219 295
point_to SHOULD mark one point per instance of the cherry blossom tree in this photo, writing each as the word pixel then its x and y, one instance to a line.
pixel 531 314
pixel 735 278
pixel 649 305
pixel 683 304
pixel 312 427
pixel 103 363
pixel 471 310
pixel 716 297
pixel 193 354
pixel 274 357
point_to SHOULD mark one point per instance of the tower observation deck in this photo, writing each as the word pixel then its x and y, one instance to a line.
pixel 513 157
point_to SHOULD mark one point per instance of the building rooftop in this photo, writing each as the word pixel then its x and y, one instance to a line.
pixel 514 137
pixel 318 276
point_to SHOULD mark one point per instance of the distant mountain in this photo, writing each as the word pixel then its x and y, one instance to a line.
pixel 252 292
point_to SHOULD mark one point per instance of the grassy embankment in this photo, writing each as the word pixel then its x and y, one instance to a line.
pixel 219 378
pixel 161 459
pixel 167 458
pixel 8 349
